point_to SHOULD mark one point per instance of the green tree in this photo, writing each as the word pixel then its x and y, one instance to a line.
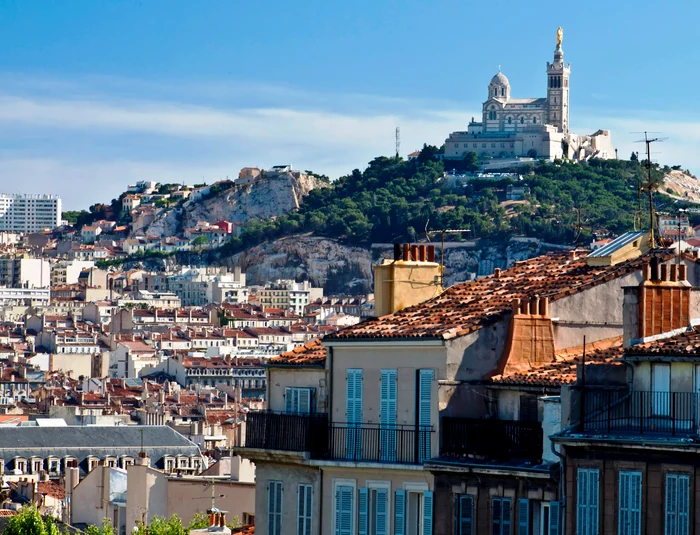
pixel 634 157
pixel 471 162
pixel 28 521
pixel 200 241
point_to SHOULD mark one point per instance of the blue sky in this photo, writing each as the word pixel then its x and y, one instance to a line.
pixel 97 94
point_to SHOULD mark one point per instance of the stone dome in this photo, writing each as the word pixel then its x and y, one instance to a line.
pixel 500 79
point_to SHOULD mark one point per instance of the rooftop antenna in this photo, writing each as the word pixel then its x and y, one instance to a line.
pixel 442 233
pixel 649 186
pixel 398 141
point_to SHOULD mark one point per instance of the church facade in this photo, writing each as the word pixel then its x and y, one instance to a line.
pixel 529 127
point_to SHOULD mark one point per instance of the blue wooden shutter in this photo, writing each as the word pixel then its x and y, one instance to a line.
pixel 381 524
pixel 524 516
pixel 424 412
pixel 354 413
pixel 496 516
pixel 593 486
pixel 464 509
pixel 427 513
pixel 338 511
pixel 387 415
pixel 683 505
pixel 554 518
pixel 290 400
pixel 581 502
pixel 400 512
pixel 274 508
pixel 303 400
pixel 344 521
pixel 362 512
pixel 304 513
pixel 671 527
pixel 630 504
pixel 506 516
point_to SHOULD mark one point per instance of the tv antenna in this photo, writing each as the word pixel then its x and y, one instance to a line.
pixel 398 141
pixel 650 185
pixel 442 233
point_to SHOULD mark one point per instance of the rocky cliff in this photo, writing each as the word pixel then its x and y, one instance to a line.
pixel 262 199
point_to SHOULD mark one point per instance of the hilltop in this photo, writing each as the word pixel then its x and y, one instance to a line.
pixel 298 225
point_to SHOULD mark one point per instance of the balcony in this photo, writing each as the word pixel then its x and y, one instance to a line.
pixel 640 412
pixel 498 440
pixel 314 436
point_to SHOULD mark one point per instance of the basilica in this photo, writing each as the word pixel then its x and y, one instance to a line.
pixel 529 127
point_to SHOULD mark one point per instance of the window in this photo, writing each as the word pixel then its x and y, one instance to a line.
pixel 464 514
pixel 274 508
pixel 510 120
pixel 425 381
pixel 503 91
pixel 304 510
pixel 537 517
pixel 534 120
pixel 500 516
pixel 629 521
pixel 528 408
pixel 387 416
pixel 587 501
pixel 677 504
pixel 413 512
pixel 343 510
pixel 372 511
pixel 660 387
pixel 522 120
pixel 297 400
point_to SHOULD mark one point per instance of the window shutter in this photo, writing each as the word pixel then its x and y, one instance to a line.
pixel 338 511
pixel 387 415
pixel 524 516
pixel 290 400
pixel 593 485
pixel 400 512
pixel 630 508
pixel 362 512
pixel 671 504
pixel 683 505
pixel 304 400
pixel 424 412
pixel 304 510
pixel 506 516
pixel 496 516
pixel 554 518
pixel 354 413
pixel 346 510
pixel 380 527
pixel 274 508
pixel 427 513
pixel 464 507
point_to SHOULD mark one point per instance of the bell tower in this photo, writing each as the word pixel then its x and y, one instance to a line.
pixel 558 88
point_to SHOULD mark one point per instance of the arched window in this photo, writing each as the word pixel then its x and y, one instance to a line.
pixel 534 120
pixel 503 91
pixel 510 120
pixel 522 120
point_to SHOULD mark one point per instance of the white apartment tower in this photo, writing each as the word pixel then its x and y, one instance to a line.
pixel 29 213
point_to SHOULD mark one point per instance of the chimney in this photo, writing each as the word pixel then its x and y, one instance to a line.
pixel 397 252
pixel 398 285
pixel 497 273
pixel 659 304
pixel 142 459
pixel 573 255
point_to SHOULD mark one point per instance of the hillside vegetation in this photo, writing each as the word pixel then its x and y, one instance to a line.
pixel 394 199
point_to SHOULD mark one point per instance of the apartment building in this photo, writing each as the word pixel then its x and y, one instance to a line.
pixel 632 434
pixel 29 213
pixel 428 420
pixel 289 295
pixel 24 272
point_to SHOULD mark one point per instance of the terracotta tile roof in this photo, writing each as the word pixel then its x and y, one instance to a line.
pixel 7 512
pixel 469 306
pixel 686 344
pixel 312 353
pixel 245 530
pixel 51 488
pixel 563 370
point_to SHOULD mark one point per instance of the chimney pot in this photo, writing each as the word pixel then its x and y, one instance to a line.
pixel 421 253
pixel 682 272
pixel 674 272
pixel 397 251
pixel 497 273
pixel 431 253
pixel 516 307
pixel 646 272
pixel 572 255
pixel 524 306
pixel 405 252
pixel 534 305
pixel 544 306
pixel 664 272
pixel 414 252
